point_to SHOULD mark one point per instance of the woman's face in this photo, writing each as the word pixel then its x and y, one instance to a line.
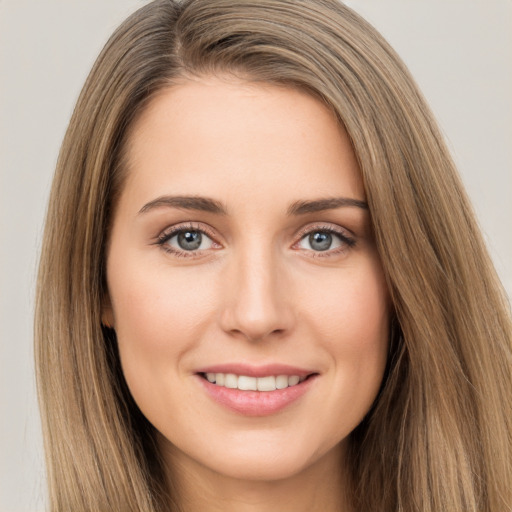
pixel 241 253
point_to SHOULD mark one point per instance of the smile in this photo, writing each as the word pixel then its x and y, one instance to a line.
pixel 256 391
pixel 247 383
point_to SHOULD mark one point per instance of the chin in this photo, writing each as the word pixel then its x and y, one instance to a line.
pixel 263 460
pixel 259 469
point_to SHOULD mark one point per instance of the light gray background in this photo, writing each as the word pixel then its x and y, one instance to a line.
pixel 460 52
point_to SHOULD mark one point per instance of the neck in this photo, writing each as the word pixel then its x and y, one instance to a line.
pixel 321 487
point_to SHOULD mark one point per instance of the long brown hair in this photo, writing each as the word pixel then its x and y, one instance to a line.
pixel 439 437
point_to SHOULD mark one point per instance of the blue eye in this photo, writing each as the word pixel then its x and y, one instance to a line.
pixel 187 240
pixel 322 240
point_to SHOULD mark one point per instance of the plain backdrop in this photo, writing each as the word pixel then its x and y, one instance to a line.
pixel 460 52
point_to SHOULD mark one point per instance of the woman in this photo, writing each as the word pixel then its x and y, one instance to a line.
pixel 262 286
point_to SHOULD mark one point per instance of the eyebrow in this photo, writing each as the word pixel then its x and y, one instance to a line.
pixel 206 204
pixel 319 205
pixel 202 204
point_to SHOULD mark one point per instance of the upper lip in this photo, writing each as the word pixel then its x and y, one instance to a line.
pixel 256 370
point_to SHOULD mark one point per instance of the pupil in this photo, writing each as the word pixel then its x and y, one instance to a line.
pixel 320 241
pixel 189 240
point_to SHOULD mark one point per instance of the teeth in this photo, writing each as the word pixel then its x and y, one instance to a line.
pixel 266 383
pixel 293 380
pixel 230 381
pixel 245 383
pixel 281 381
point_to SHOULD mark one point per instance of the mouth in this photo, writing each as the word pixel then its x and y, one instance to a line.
pixel 248 383
pixel 254 391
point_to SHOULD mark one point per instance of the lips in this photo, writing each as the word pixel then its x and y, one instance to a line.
pixel 255 390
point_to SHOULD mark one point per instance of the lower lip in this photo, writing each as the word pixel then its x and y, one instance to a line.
pixel 256 403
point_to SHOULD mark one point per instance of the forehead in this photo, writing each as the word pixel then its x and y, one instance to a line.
pixel 226 138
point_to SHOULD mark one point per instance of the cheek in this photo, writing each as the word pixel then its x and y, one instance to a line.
pixel 351 309
pixel 159 314
pixel 351 319
pixel 157 300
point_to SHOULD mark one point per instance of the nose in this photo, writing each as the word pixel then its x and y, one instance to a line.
pixel 257 302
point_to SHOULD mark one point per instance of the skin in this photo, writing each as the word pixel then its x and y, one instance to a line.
pixel 256 292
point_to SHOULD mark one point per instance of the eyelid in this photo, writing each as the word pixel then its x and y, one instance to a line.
pixel 347 238
pixel 171 231
pixel 184 226
pixel 324 226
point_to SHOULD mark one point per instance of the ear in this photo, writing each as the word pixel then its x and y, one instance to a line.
pixel 107 313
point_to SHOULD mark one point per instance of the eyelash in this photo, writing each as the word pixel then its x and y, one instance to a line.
pixel 348 242
pixel 168 234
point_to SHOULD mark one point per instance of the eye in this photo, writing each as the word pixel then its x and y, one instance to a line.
pixel 190 240
pixel 323 240
pixel 185 241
